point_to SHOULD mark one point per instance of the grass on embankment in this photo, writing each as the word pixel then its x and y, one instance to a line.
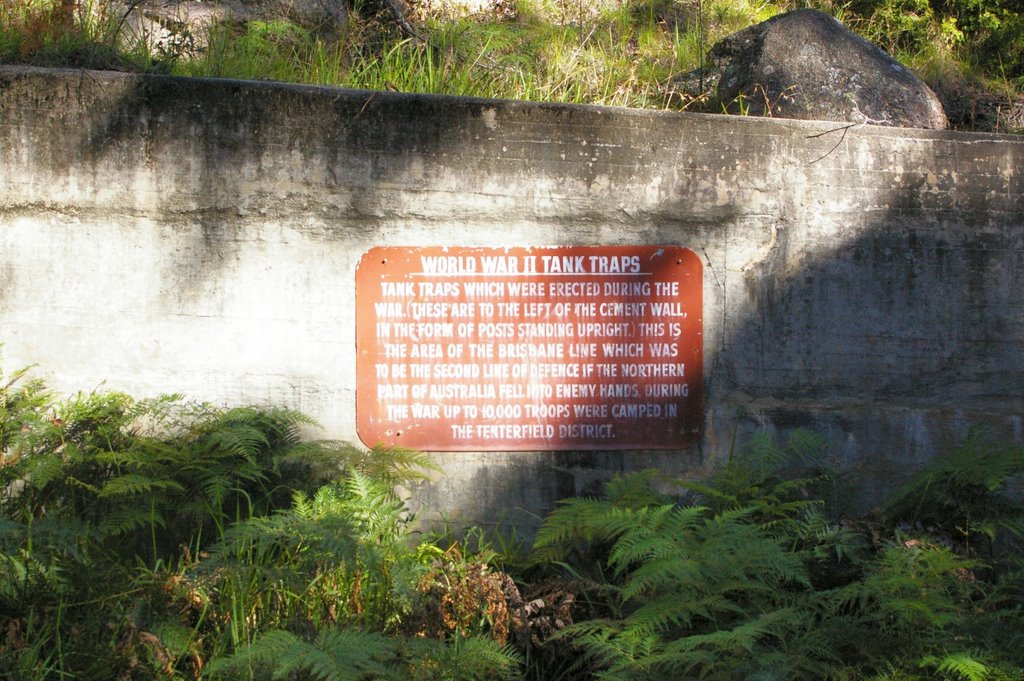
pixel 590 51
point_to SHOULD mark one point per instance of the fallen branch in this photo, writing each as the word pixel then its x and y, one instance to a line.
pixel 846 128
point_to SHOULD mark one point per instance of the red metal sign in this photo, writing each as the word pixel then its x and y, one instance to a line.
pixel 578 347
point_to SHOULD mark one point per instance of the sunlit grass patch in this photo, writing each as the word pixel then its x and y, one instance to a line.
pixel 67 33
pixel 610 52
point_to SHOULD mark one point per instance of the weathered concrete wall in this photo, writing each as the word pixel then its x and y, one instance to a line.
pixel 201 236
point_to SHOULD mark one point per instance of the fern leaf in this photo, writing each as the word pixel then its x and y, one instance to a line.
pixel 133 484
pixel 738 640
pixel 675 609
pixel 806 448
pixel 124 520
pixel 395 465
pixel 45 469
pixel 259 655
pixel 603 645
pixel 479 658
pixel 651 532
pixel 353 654
pixel 960 666
pixel 335 655
pixel 635 490
pixel 474 658
pixel 572 520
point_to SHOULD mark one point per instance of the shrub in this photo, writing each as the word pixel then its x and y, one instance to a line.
pixel 751 579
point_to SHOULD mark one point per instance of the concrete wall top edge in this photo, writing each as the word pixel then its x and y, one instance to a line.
pixel 768 125
pixel 161 145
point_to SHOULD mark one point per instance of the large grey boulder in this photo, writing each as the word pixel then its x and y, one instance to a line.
pixel 805 64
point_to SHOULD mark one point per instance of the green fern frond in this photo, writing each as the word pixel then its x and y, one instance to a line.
pixel 738 549
pixel 373 506
pixel 778 481
pixel 652 562
pixel 133 484
pixel 302 506
pixel 963 493
pixel 41 471
pixel 315 463
pixel 121 521
pixel 635 490
pixel 341 524
pixel 362 488
pixel 23 409
pixel 654 519
pixel 236 440
pixel 25 580
pixel 472 658
pixel 570 521
pixel 653 533
pixel 257 429
pixel 251 536
pixel 761 453
pixel 335 655
pixel 957 666
pixel 684 609
pixel 730 642
pixel 914 589
pixel 806 448
pixel 603 645
pixel 588 520
pixel 356 654
pixel 257 656
pixel 479 658
pixel 395 465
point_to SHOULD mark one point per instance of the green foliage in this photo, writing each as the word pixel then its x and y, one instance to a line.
pixel 143 539
pixel 138 491
pixel 475 658
pixel 334 655
pixel 958 665
pixel 347 654
pixel 962 496
pixel 985 33
pixel 350 655
pixel 683 619
pixel 163 539
pixel 340 564
pixel 66 33
pixel 757 582
pixel 695 590
pixel 149 476
pixel 23 405
pixel 341 556
pixel 778 482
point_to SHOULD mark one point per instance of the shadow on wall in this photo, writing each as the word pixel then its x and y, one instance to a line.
pixel 893 344
pixel 222 156
pixel 892 340
pixel 236 152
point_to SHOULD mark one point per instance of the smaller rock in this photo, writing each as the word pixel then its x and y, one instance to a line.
pixel 695 89
pixel 177 28
pixel 181 28
pixel 971 106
